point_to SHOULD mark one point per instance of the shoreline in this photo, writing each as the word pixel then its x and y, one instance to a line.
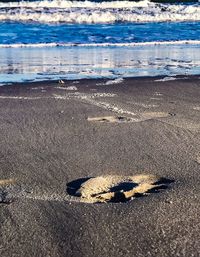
pixel 99 80
pixel 82 63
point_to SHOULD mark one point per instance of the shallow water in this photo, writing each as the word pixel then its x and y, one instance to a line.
pixel 94 62
pixel 97 39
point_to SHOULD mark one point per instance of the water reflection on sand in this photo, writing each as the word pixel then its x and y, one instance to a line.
pixel 27 64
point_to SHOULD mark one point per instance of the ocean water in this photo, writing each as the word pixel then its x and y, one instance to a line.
pixel 52 39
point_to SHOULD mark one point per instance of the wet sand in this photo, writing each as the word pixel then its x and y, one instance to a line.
pixel 53 133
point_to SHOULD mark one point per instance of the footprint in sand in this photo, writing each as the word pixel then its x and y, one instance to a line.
pixel 116 188
pixel 111 119
pixel 154 115
pixel 140 117
pixel 5 184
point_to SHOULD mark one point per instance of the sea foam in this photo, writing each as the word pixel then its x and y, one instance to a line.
pixel 64 11
pixel 154 43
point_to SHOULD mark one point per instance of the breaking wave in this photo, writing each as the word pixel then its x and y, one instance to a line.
pixel 63 11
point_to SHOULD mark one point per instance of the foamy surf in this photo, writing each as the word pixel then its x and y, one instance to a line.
pixel 64 11
pixel 63 4
pixel 154 43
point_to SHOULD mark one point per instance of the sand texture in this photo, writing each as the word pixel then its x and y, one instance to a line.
pixel 100 170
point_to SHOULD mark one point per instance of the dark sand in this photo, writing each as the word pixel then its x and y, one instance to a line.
pixel 47 141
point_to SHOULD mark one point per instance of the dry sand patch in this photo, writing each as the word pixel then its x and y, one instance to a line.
pixel 111 119
pixel 113 188
pixel 154 115
pixel 137 118
pixel 4 182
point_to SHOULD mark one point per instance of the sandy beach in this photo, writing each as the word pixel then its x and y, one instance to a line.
pixel 52 134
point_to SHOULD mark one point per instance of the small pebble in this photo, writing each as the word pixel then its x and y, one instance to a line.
pixel 169 201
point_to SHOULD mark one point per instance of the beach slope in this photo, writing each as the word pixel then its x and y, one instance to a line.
pixel 52 134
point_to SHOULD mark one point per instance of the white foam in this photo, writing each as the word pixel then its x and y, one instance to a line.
pixel 63 4
pixel 111 82
pixel 20 97
pixel 114 81
pixel 72 88
pixel 158 94
pixel 91 12
pixel 112 108
pixel 153 43
pixel 82 96
pixel 197 108
pixel 166 79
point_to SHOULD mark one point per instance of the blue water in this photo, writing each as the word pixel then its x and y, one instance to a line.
pixel 26 33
